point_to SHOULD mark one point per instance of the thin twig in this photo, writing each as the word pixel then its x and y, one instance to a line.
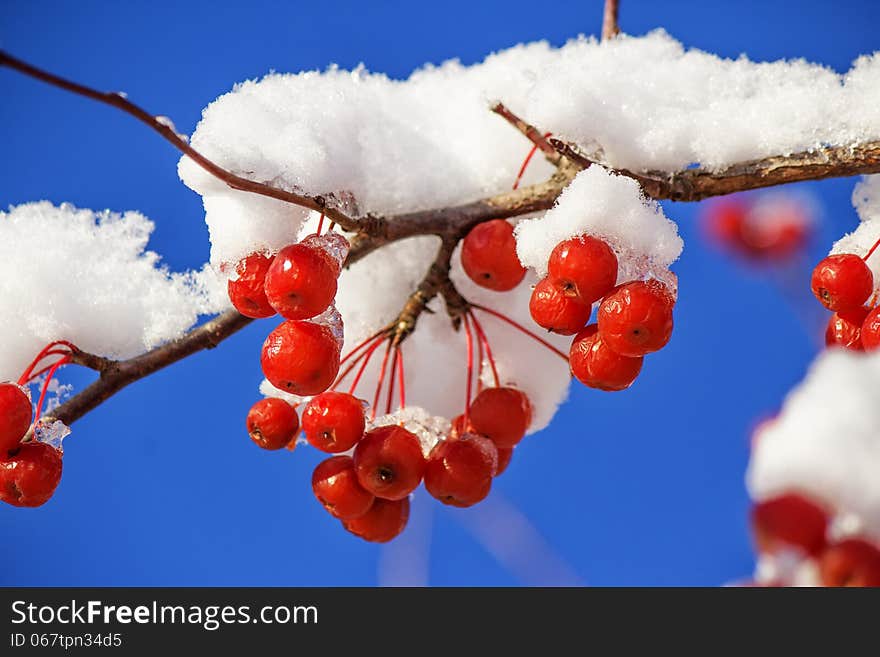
pixel 610 27
pixel 530 132
pixel 166 129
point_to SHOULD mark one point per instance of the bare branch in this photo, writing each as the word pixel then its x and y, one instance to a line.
pixel 531 133
pixel 610 28
pixel 327 205
pixel 697 184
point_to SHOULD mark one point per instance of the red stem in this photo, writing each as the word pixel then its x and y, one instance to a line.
pixel 470 368
pixel 402 379
pixel 320 225
pixel 873 248
pixel 52 370
pixel 364 364
pixel 485 340
pixel 525 163
pixel 391 380
pixel 522 329
pixel 48 350
pixel 381 379
pixel 479 361
pixel 363 344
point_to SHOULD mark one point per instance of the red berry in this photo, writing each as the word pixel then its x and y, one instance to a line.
pixel 842 282
pixel 247 292
pixel 584 267
pixel 504 456
pixel 301 358
pixel 301 283
pixel 636 318
pixel 502 415
pixel 870 332
pixel 335 484
pixel 852 562
pixel 334 421
pixel 389 462
pixel 596 365
pixel 459 472
pixel 384 521
pixel 724 220
pixel 789 521
pixel 845 328
pixel 488 255
pixel 15 416
pixel 458 428
pixel 272 423
pixel 30 474
pixel 555 311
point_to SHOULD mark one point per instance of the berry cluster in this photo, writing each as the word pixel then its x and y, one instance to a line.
pixel 633 319
pixel 772 230
pixel 795 532
pixel 30 465
pixel 844 284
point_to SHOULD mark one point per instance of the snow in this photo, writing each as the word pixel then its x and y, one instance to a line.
pixel 430 141
pixel 87 277
pixel 866 200
pixel 825 442
pixel 612 208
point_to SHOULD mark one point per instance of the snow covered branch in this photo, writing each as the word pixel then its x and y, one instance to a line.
pixel 165 128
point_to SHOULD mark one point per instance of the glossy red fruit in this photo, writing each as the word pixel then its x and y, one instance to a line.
pixel 301 358
pixel 247 292
pixel 723 221
pixel 385 520
pixel 583 267
pixel 502 415
pixel 488 255
pixel 789 520
pixel 504 456
pixel 301 283
pixel 842 282
pixel 851 562
pixel 553 310
pixel 334 421
pixel 30 474
pixel 870 332
pixel 272 423
pixel 15 416
pixel 596 365
pixel 845 329
pixel 459 472
pixel 636 318
pixel 458 427
pixel 335 484
pixel 389 462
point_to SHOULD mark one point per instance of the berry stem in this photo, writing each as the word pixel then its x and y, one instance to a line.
pixel 521 328
pixel 364 343
pixel 320 225
pixel 871 252
pixel 525 163
pixel 485 341
pixel 480 360
pixel 52 370
pixel 376 338
pixel 364 364
pixel 402 379
pixel 381 379
pixel 39 373
pixel 331 226
pixel 394 358
pixel 470 367
pixel 48 350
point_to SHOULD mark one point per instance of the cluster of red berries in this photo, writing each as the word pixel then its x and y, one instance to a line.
pixel 844 284
pixel 301 355
pixel 633 319
pixel 369 489
pixel 30 453
pixel 791 522
pixel 758 233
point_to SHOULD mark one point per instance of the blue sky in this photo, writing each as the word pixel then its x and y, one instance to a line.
pixel 161 485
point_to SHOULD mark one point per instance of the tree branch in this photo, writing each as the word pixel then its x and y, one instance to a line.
pixel 610 27
pixel 328 205
pixel 531 133
pixel 697 184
